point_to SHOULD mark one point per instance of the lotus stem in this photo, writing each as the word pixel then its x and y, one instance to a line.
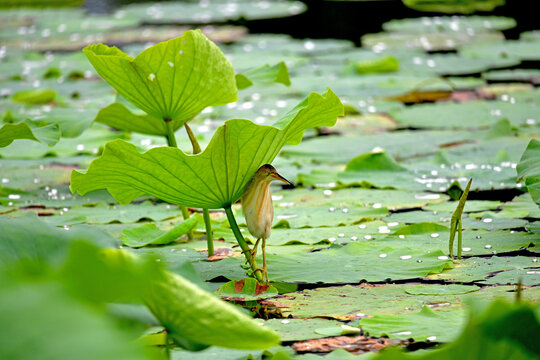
pixel 243 245
pixel 206 213
pixel 209 237
pixel 171 141
pixel 193 139
pixel 460 238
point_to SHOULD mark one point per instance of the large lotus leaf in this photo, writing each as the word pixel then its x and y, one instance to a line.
pixel 522 50
pixel 285 44
pixel 498 331
pixel 180 12
pixel 31 130
pixel 470 206
pixel 214 178
pixel 343 200
pixel 430 41
pixel 481 269
pixel 474 114
pixel 421 326
pixel 508 277
pixel 172 80
pixel 356 262
pixel 450 24
pixel 27 237
pixel 529 169
pixel 520 207
pixel 312 235
pixel 354 302
pixel 448 64
pixel 102 213
pixel 402 143
pixel 306 216
pixel 453 6
pixel 33 178
pixel 479 242
pixel 527 75
pixel 300 329
pixel 216 352
pixel 89 143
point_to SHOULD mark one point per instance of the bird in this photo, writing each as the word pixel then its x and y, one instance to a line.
pixel 258 208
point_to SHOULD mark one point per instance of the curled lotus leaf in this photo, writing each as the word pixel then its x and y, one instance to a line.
pixel 214 178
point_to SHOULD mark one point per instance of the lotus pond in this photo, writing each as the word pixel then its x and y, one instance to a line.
pixel 127 139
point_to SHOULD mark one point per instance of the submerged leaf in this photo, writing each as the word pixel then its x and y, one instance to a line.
pixel 173 80
pixel 212 179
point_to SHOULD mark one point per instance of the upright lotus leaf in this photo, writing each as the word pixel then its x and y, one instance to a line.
pixel 30 130
pixel 118 116
pixel 212 179
pixel 264 75
pixel 529 169
pixel 172 80
pixel 456 224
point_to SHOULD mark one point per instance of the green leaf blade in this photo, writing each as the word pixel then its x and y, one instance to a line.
pixel 149 234
pixel 175 79
pixel 29 130
pixel 264 75
pixel 120 117
pixel 212 179
pixel 529 169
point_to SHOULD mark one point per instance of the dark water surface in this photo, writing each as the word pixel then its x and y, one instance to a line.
pixel 348 19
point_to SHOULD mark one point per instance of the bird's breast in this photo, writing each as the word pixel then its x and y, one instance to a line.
pixel 258 209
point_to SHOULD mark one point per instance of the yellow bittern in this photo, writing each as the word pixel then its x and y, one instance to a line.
pixel 258 208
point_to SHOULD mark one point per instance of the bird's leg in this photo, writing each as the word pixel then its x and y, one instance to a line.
pixel 265 270
pixel 253 252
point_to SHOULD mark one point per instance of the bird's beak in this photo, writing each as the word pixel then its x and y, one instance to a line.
pixel 276 176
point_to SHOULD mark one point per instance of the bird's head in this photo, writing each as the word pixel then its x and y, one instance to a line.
pixel 269 173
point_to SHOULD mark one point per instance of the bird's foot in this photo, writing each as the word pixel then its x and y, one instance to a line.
pixel 263 272
pixel 253 253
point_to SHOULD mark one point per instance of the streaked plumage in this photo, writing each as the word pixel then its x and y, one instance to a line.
pixel 258 207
